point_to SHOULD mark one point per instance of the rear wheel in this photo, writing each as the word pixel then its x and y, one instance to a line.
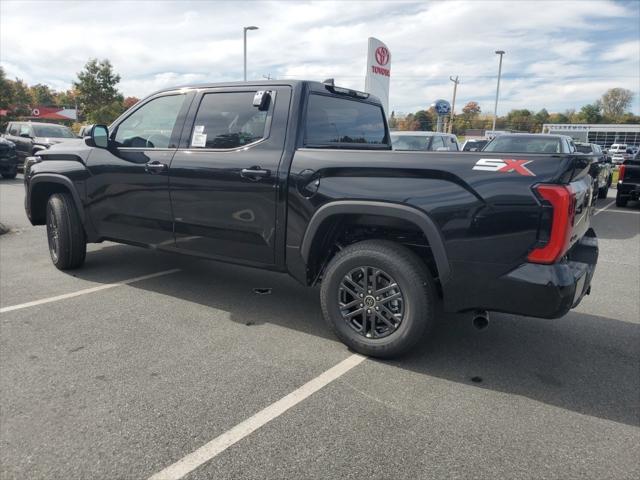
pixel 67 243
pixel 378 297
pixel 621 200
pixel 10 175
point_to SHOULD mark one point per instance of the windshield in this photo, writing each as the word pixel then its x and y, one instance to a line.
pixel 409 142
pixel 504 144
pixel 52 131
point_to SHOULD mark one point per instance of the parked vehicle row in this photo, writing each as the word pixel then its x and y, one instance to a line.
pixel 32 137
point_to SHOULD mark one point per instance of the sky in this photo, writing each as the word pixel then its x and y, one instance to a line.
pixel 559 54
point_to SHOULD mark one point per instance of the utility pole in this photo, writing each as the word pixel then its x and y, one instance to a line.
pixel 495 109
pixel 453 103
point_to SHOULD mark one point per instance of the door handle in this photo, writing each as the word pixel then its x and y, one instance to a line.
pixel 254 173
pixel 154 166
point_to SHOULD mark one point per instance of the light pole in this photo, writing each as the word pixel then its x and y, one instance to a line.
pixel 245 48
pixel 453 103
pixel 495 109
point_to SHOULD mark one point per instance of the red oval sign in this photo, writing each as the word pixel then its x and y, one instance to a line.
pixel 382 55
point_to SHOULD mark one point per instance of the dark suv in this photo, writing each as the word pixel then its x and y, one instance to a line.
pixel 8 159
pixel 31 137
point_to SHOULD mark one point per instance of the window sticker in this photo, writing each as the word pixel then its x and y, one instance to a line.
pixel 199 138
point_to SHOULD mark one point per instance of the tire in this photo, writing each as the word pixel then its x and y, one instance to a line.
pixel 621 201
pixel 65 235
pixel 411 313
pixel 602 192
pixel 10 175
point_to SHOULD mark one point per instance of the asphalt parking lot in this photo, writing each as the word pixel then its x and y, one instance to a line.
pixel 125 379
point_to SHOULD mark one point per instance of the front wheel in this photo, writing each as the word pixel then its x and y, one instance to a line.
pixel 378 297
pixel 67 243
pixel 10 175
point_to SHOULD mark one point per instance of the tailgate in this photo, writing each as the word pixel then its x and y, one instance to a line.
pixel 632 171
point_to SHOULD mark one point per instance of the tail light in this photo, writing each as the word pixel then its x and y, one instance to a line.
pixel 621 173
pixel 563 202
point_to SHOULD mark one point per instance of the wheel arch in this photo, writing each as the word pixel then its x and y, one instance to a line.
pixel 406 213
pixel 41 187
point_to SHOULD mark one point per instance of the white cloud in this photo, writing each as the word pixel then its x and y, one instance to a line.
pixel 559 54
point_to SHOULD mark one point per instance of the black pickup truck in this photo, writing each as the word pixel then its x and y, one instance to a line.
pixel 299 177
pixel 628 181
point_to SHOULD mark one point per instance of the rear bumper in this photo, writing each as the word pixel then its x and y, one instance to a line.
pixel 629 189
pixel 550 291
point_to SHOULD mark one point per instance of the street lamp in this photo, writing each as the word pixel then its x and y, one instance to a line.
pixel 245 48
pixel 495 109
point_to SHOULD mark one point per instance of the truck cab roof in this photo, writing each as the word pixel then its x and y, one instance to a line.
pixel 311 85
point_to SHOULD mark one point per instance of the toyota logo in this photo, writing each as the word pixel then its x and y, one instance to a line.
pixel 382 55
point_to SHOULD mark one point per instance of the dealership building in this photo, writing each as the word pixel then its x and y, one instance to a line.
pixel 603 134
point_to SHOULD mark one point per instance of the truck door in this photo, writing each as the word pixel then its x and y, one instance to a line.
pixel 224 177
pixel 128 190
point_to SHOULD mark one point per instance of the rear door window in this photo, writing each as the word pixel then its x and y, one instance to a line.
pixel 228 120
pixel 334 122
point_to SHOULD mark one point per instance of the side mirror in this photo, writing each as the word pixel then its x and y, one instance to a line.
pixel 25 135
pixel 100 136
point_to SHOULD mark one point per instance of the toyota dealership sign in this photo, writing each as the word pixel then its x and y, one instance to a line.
pixel 378 71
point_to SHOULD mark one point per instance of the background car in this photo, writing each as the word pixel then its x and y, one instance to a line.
pixel 474 145
pixel 531 143
pixel 8 159
pixel 628 181
pixel 602 171
pixel 31 137
pixel 424 141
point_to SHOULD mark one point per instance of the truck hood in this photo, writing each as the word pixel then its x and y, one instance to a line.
pixel 53 140
pixel 57 142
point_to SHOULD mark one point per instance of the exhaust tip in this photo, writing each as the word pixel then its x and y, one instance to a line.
pixel 480 320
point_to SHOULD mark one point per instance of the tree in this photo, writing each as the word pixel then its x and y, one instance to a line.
pixel 615 102
pixel 520 120
pixel 68 98
pixel 471 109
pixel 22 100
pixel 558 118
pixel 6 91
pixel 426 119
pixel 42 95
pixel 590 113
pixel 131 101
pixel 98 96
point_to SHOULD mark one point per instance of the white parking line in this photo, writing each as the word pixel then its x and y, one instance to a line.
pixel 599 210
pixel 220 444
pixel 86 291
